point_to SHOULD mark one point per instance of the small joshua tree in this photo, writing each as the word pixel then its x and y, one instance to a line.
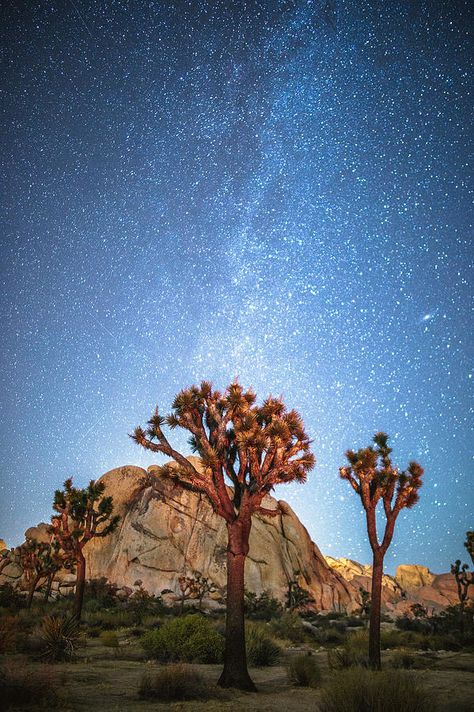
pixel 82 514
pixel 464 577
pixel 374 478
pixel 40 561
pixel 202 586
pixel 297 597
pixel 249 447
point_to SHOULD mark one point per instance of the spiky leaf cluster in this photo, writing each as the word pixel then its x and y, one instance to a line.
pixel 469 544
pixel 81 515
pixel 41 559
pixel 251 447
pixel 372 475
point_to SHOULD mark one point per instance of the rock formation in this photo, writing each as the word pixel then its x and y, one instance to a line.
pixel 166 531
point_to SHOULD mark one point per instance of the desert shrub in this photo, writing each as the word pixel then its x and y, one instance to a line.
pixel 59 638
pixel 418 625
pixel 403 659
pixel 101 592
pixel 10 598
pixel 329 636
pixel 144 604
pixel 173 682
pixel 189 638
pixel 368 691
pixel 263 607
pixel 353 652
pixel 109 639
pixel 303 670
pixel 20 686
pixel 262 650
pixel 109 620
pixel 289 626
pixel 8 634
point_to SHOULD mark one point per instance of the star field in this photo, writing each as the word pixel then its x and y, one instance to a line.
pixel 278 191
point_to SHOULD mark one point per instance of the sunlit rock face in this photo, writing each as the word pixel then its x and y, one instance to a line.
pixel 411 577
pixel 412 584
pixel 360 576
pixel 166 531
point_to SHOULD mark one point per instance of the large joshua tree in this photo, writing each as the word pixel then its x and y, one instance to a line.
pixel 374 478
pixel 249 447
pixel 82 514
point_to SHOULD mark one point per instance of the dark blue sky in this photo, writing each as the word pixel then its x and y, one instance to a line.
pixel 274 190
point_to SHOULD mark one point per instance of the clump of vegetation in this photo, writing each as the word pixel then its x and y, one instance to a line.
pixel 404 659
pixel 262 651
pixel 353 652
pixel 367 690
pixel 20 687
pixel 173 682
pixel 297 597
pixel 303 670
pixel 289 626
pixel 109 639
pixel 263 607
pixel 59 638
pixel 189 638
pixel 8 634
pixel 10 598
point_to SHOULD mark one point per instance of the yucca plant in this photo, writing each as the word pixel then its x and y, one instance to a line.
pixel 59 638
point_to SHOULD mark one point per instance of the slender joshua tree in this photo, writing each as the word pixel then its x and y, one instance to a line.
pixel 373 477
pixel 82 514
pixel 249 447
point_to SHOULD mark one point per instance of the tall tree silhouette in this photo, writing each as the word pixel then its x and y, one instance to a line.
pixel 82 514
pixel 249 447
pixel 374 478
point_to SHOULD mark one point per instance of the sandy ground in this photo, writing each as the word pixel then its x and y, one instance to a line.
pixel 104 681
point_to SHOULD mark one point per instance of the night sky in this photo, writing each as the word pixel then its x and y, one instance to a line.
pixel 277 191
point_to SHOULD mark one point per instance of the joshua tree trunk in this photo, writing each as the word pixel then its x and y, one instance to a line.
pixel 49 584
pixel 33 585
pixel 80 584
pixel 375 607
pixel 235 673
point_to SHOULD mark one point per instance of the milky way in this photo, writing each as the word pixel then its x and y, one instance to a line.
pixel 277 191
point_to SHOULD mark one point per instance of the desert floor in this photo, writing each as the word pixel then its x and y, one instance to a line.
pixel 106 681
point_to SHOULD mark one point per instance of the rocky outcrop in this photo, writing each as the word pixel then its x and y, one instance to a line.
pixel 360 576
pixel 411 577
pixel 412 584
pixel 166 531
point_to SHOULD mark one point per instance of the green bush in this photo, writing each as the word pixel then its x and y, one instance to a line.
pixel 20 687
pixel 59 638
pixel 262 650
pixel 289 626
pixel 403 659
pixel 109 620
pixel 263 607
pixel 109 639
pixel 303 670
pixel 10 598
pixel 361 690
pixel 353 652
pixel 8 634
pixel 188 639
pixel 173 682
